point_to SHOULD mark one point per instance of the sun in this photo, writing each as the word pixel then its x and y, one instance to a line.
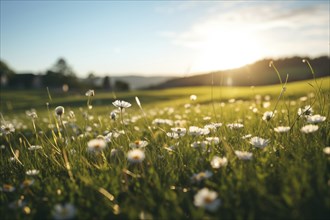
pixel 221 51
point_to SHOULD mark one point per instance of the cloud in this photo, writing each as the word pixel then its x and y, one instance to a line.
pixel 257 20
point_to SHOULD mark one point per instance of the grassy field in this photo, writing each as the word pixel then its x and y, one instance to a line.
pixel 219 155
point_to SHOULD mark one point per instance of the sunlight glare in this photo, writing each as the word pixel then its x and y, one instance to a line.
pixel 221 51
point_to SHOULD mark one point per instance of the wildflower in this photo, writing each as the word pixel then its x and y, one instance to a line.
pixel 159 121
pixel 268 115
pixel 26 183
pixel 235 126
pixel 231 100
pixel 213 126
pixel 90 93
pixel 135 156
pixel 34 147
pixel 64 212
pixel 193 97
pixel 180 131
pixel 139 144
pixel 7 188
pixel 207 199
pixel 201 144
pixel 214 140
pixel 172 135
pixel 309 128
pixel 96 145
pixel 32 172
pixel 315 118
pixel 7 128
pixel 303 98
pixel 326 150
pixel 202 176
pixel 121 104
pixel 206 118
pixel 59 111
pixel 247 136
pixel 259 142
pixel 243 155
pixel 282 129
pixel 32 113
pixel 265 104
pixel 113 115
pixel 307 110
pixel 196 131
pixel 218 162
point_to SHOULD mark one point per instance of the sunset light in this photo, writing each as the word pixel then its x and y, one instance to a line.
pixel 226 51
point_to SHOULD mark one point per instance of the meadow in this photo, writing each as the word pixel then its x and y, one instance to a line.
pixel 186 153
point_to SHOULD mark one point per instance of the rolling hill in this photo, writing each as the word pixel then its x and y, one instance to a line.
pixel 256 74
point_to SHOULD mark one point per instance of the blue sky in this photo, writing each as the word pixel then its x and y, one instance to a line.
pixel 157 37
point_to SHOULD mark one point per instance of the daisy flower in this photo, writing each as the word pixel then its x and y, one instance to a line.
pixel 207 199
pixel 172 135
pixel 243 155
pixel 315 119
pixel 197 144
pixel 235 126
pixel 32 113
pixel 218 162
pixel 138 144
pixel 135 156
pixel 90 93
pixel 259 142
pixel 7 128
pixel 282 129
pixel 196 131
pixel 59 111
pixel 180 131
pixel 64 212
pixel 193 97
pixel 247 136
pixel 214 140
pixel 268 115
pixel 309 129
pixel 96 145
pixel 121 104
pixel 213 126
pixel 307 110
pixel 201 176
pixel 32 172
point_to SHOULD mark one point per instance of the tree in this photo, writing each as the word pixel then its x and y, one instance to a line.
pixel 106 83
pixel 62 68
pixel 6 74
pixel 121 86
pixel 59 74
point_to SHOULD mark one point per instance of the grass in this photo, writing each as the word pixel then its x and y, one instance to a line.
pixel 287 179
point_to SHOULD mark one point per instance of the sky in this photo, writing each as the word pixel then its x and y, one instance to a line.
pixel 158 38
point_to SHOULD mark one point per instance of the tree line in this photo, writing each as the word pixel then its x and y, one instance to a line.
pixel 60 76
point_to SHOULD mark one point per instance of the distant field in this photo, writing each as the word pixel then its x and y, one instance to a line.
pixel 225 153
pixel 22 100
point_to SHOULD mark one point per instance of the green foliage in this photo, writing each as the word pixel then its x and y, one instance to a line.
pixel 288 179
